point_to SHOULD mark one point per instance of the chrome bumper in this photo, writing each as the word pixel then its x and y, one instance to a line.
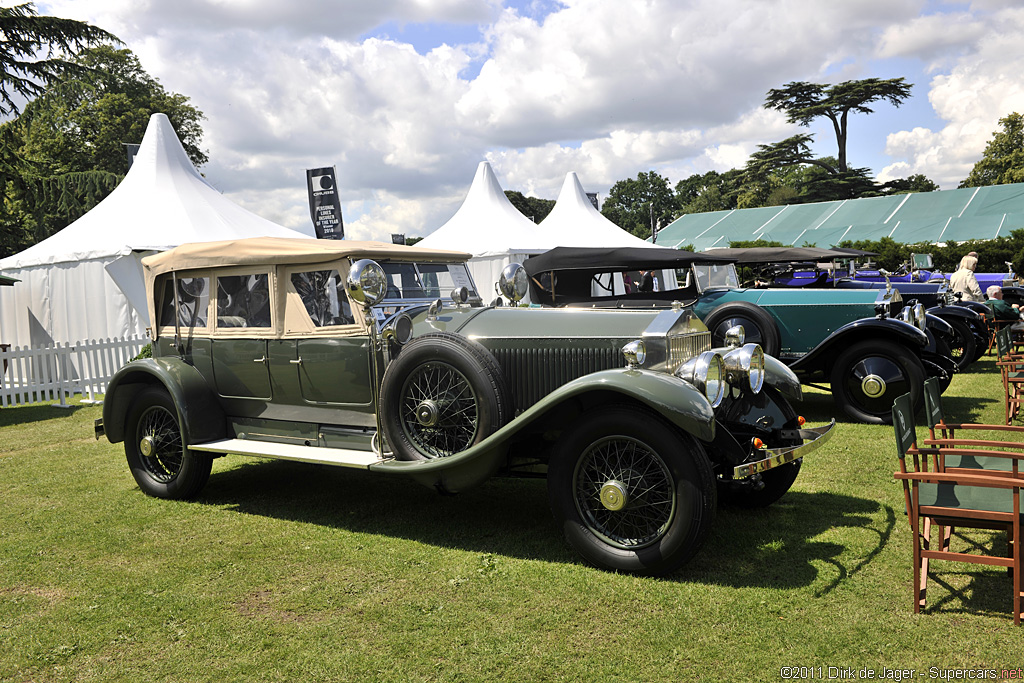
pixel 813 438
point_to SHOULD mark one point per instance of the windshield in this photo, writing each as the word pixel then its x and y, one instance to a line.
pixel 426 280
pixel 716 276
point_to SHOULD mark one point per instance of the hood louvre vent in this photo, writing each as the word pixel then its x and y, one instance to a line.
pixel 532 374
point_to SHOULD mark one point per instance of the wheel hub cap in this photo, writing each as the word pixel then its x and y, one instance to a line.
pixel 873 386
pixel 427 413
pixel 614 496
pixel 147 446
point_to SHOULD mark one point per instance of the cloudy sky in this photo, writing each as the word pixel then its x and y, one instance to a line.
pixel 406 97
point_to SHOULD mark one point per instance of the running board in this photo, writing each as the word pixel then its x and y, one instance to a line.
pixel 343 457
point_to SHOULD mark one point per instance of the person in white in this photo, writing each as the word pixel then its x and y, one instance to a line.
pixel 963 280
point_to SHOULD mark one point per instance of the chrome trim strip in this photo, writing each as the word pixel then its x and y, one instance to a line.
pixel 817 436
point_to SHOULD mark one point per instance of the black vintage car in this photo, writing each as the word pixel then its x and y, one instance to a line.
pixel 853 340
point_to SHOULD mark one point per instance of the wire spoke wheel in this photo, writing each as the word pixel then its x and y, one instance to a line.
pixel 158 455
pixel 631 492
pixel 160 443
pixel 645 490
pixel 440 411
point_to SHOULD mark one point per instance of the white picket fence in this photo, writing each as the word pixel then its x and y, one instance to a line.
pixel 52 372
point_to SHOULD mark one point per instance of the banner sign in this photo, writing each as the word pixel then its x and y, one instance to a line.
pixel 324 205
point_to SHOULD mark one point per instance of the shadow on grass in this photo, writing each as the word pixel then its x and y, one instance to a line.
pixel 35 412
pixel 775 547
pixel 954 589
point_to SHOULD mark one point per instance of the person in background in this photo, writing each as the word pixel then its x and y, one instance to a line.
pixel 1004 313
pixel 963 280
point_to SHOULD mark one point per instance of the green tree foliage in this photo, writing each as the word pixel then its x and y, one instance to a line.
pixel 1003 159
pixel 915 183
pixel 804 102
pixel 711 191
pixel 24 36
pixel 992 254
pixel 635 203
pixel 66 151
pixel 531 207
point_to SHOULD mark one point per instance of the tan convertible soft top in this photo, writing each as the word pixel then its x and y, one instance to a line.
pixel 273 251
pixel 277 250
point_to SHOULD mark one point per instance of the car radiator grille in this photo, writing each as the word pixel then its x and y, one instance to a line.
pixel 683 347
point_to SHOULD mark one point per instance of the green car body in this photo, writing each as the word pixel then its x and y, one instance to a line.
pixel 297 350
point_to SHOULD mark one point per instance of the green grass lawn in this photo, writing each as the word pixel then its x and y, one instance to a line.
pixel 291 572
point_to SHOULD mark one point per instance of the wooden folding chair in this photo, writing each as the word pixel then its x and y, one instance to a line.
pixel 973 500
pixel 1011 367
pixel 944 435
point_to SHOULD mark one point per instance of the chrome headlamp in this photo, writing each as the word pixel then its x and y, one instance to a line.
pixel 907 315
pixel 919 316
pixel 707 373
pixel 635 353
pixel 745 365
pixel 735 336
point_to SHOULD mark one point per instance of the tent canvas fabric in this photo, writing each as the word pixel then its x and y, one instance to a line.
pixel 490 228
pixel 575 222
pixel 85 282
pixel 924 217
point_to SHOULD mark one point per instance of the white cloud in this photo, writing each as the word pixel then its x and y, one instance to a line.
pixel 983 87
pixel 600 87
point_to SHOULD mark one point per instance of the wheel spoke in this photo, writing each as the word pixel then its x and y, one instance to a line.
pixel 649 489
pixel 457 420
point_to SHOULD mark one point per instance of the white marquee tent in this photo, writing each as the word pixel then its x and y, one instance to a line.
pixel 490 228
pixel 85 282
pixel 575 222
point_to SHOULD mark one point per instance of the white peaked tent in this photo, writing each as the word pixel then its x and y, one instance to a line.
pixel 574 222
pixel 85 282
pixel 490 228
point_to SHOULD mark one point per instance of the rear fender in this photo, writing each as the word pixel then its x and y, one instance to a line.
pixel 199 413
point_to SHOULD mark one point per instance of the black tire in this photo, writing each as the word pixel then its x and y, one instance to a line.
pixel 860 366
pixel 758 324
pixel 157 455
pixel 772 485
pixel 443 394
pixel 660 475
pixel 963 346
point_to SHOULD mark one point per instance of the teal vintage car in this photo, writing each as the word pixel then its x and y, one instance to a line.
pixel 851 340
pixel 384 358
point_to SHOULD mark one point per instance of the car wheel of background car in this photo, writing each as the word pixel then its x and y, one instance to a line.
pixel 868 376
pixel 963 347
pixel 630 492
pixel 758 324
pixel 156 452
pixel 443 394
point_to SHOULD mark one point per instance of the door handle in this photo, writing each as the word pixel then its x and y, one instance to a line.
pixel 260 360
pixel 297 361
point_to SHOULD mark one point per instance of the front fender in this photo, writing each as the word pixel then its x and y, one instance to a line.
pixel 960 312
pixel 674 399
pixel 200 415
pixel 819 359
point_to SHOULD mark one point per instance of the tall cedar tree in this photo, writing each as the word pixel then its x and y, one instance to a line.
pixel 24 35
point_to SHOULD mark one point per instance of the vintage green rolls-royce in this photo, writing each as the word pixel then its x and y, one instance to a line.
pixel 384 358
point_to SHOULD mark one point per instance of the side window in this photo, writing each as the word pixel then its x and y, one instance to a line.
pixel 193 301
pixel 323 294
pixel 243 301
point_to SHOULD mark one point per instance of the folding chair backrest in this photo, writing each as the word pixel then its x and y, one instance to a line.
pixel 1003 342
pixel 932 402
pixel 903 423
